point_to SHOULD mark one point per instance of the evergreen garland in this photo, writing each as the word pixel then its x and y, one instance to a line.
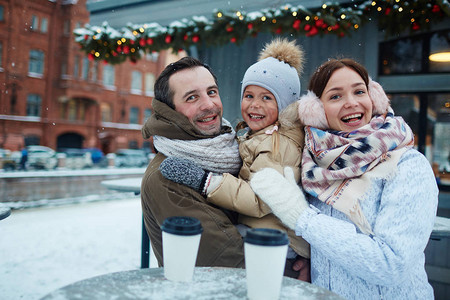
pixel 131 42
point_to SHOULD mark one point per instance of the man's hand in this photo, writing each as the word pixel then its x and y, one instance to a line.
pixel 303 266
pixel 281 194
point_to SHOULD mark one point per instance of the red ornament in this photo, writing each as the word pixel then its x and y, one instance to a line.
pixel 335 27
pixel 91 56
pixel 119 49
pixel 132 42
pixel 142 42
pixel 126 49
pixel 168 39
pixel 296 24
pixel 149 41
pixel 233 40
pixel 415 26
pixel 86 37
pixel 436 8
pixel 105 62
pixel 341 34
pixel 180 50
pixel 321 24
pixel 313 31
pixel 387 11
pixel 114 53
pixel 229 29
pixel 278 30
pixel 195 38
pixel 250 26
pixel 185 37
pixel 307 27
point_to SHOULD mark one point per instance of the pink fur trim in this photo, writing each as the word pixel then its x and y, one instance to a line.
pixel 311 111
pixel 379 99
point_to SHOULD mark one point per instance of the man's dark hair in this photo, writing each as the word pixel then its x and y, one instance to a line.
pixel 162 90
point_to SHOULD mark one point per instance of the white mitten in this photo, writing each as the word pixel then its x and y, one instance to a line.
pixel 281 194
pixel 214 183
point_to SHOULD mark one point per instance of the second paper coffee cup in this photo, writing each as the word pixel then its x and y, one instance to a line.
pixel 181 238
pixel 265 258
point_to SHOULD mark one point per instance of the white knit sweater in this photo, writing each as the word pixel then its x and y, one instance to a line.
pixel 389 265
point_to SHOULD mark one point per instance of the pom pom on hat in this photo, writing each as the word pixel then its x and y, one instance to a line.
pixel 277 70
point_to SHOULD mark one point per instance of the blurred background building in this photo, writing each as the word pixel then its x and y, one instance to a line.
pixel 53 95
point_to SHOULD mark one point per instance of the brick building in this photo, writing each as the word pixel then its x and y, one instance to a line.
pixel 53 95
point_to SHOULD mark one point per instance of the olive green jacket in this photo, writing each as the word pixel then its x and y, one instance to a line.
pixel 220 244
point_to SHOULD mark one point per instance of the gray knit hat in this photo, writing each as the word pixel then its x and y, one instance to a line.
pixel 277 70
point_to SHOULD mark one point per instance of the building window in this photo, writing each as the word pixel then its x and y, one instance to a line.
pixel 76 66
pixel 108 76
pixel 149 84
pixel 34 105
pixel 428 115
pixel 136 82
pixel 44 25
pixel 64 74
pixel 85 69
pixel 72 110
pixel 34 23
pixel 134 115
pixel 94 67
pixel 106 112
pixel 36 63
pixel 2 16
pixel 412 55
pixel 147 114
pixel 66 27
pixel 439 47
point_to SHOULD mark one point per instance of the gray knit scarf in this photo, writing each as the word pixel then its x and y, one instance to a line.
pixel 219 154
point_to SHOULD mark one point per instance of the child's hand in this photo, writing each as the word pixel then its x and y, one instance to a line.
pixel 281 194
pixel 185 172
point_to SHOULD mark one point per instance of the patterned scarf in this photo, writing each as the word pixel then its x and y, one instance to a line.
pixel 337 167
pixel 219 154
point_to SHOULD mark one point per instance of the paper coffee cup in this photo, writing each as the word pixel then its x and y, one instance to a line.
pixel 265 258
pixel 181 238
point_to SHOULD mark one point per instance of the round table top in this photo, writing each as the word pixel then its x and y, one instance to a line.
pixel 208 283
pixel 5 211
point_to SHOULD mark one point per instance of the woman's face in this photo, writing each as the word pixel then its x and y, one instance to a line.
pixel 346 101
pixel 259 107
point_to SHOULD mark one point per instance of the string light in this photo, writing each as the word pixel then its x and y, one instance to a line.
pixel 263 18
pixel 324 6
pixel 119 42
pixel 238 13
pixel 343 16
pixel 274 21
pixel 400 9
pixel 219 15
pixel 294 14
pixel 307 18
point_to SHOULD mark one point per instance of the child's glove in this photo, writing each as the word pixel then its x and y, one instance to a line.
pixel 186 172
pixel 281 194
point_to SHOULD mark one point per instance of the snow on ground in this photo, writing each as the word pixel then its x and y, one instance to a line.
pixel 45 248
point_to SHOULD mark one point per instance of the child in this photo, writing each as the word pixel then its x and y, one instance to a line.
pixel 269 137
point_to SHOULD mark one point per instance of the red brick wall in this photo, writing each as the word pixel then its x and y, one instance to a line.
pixel 18 39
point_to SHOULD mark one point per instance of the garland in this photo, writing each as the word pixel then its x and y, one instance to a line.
pixel 131 42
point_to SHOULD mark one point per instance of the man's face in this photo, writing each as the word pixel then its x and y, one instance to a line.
pixel 196 95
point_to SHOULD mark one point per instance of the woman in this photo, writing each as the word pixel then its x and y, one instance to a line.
pixel 373 197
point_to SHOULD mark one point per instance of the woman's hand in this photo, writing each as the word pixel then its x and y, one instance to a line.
pixel 281 194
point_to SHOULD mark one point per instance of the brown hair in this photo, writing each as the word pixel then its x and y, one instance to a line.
pixel 323 73
pixel 162 89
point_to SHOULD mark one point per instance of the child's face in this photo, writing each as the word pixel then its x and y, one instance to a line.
pixel 259 107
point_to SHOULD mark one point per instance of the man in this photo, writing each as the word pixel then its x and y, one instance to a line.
pixel 187 122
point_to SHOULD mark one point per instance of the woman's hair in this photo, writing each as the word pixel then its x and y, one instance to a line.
pixel 320 78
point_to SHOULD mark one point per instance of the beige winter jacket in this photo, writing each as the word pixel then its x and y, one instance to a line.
pixel 257 152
